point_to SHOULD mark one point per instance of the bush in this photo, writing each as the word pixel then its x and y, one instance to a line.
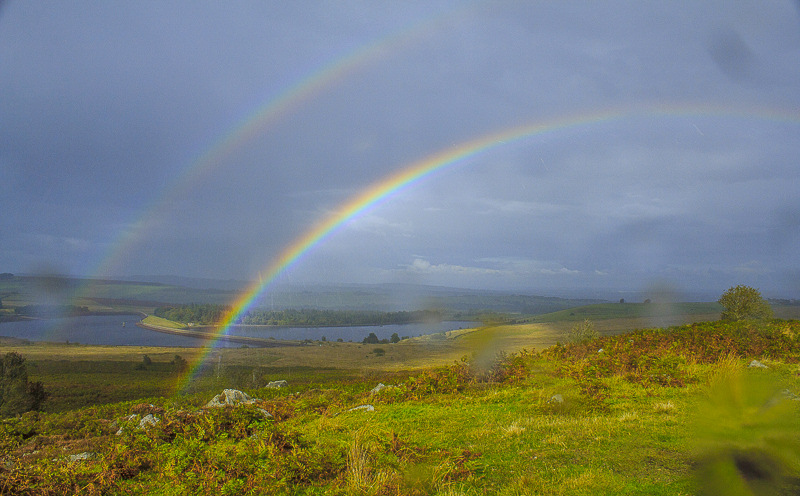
pixel 582 332
pixel 744 302
pixel 17 395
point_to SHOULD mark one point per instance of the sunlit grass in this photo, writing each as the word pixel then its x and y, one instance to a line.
pixel 588 428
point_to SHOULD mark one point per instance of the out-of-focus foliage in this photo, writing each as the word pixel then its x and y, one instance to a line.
pixel 747 436
pixel 17 394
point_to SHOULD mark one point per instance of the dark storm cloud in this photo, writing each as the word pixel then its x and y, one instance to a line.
pixel 106 107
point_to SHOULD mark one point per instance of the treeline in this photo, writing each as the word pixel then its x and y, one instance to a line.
pixel 52 310
pixel 197 313
pixel 209 314
pixel 309 317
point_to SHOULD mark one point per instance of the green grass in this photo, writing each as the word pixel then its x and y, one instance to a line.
pixel 161 322
pixel 658 412
pixel 604 311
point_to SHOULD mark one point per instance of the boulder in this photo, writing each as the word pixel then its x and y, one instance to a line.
pixel 758 365
pixel 230 397
pixel 556 398
pixel 148 421
pixel 277 384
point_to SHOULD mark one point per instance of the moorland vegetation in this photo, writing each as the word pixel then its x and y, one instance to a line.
pixel 701 408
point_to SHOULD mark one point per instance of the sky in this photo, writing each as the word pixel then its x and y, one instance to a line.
pixel 201 139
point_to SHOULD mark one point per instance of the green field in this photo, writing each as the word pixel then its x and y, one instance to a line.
pixel 494 410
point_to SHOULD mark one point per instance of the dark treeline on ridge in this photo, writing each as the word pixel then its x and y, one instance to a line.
pixel 207 314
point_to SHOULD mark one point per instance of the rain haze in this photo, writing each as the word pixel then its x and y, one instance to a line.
pixel 607 145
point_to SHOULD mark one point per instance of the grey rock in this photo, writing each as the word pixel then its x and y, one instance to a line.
pixel 790 395
pixel 230 397
pixel 380 387
pixel 145 422
pixel 148 421
pixel 126 419
pixel 758 365
pixel 277 384
pixel 368 408
pixel 556 398
pixel 86 455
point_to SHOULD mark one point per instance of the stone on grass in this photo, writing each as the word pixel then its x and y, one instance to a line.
pixel 368 408
pixel 230 397
pixel 758 365
pixel 86 455
pixel 556 398
pixel 380 387
pixel 148 421
pixel 277 384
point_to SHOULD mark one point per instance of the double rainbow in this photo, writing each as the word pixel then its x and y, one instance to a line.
pixel 449 158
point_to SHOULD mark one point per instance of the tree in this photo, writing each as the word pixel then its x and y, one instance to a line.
pixel 17 395
pixel 179 363
pixel 371 339
pixel 743 302
pixel 395 338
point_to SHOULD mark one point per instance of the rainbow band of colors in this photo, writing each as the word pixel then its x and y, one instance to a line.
pixel 449 158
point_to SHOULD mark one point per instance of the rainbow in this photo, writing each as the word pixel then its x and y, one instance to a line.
pixel 449 158
pixel 267 114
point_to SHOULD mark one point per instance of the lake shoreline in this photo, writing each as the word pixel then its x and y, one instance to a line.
pixel 260 342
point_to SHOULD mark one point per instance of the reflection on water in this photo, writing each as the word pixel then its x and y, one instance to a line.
pixel 121 330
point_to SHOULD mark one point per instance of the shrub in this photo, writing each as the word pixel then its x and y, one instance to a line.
pixel 582 332
pixel 743 302
pixel 17 395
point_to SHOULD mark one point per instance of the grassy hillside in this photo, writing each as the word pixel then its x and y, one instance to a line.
pixel 658 411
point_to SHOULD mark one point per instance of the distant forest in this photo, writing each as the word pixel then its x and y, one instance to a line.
pixel 209 314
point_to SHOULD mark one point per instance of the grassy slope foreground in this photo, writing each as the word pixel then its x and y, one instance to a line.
pixel 673 411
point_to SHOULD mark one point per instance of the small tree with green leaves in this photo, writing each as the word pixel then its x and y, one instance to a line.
pixel 743 302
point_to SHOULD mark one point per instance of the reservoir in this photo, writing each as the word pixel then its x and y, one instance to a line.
pixel 109 330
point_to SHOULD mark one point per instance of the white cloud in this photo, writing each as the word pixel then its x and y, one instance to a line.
pixel 421 266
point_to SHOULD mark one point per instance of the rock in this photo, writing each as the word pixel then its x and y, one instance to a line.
pixel 758 365
pixel 368 408
pixel 277 384
pixel 380 387
pixel 790 395
pixel 86 455
pixel 148 421
pixel 556 398
pixel 230 397
pixel 600 350
pixel 125 419
pixel 265 413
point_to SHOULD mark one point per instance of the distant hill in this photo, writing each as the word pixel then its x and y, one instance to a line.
pixel 155 291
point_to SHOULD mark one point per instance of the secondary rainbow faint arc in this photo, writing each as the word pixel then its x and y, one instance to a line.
pixel 268 113
pixel 452 156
